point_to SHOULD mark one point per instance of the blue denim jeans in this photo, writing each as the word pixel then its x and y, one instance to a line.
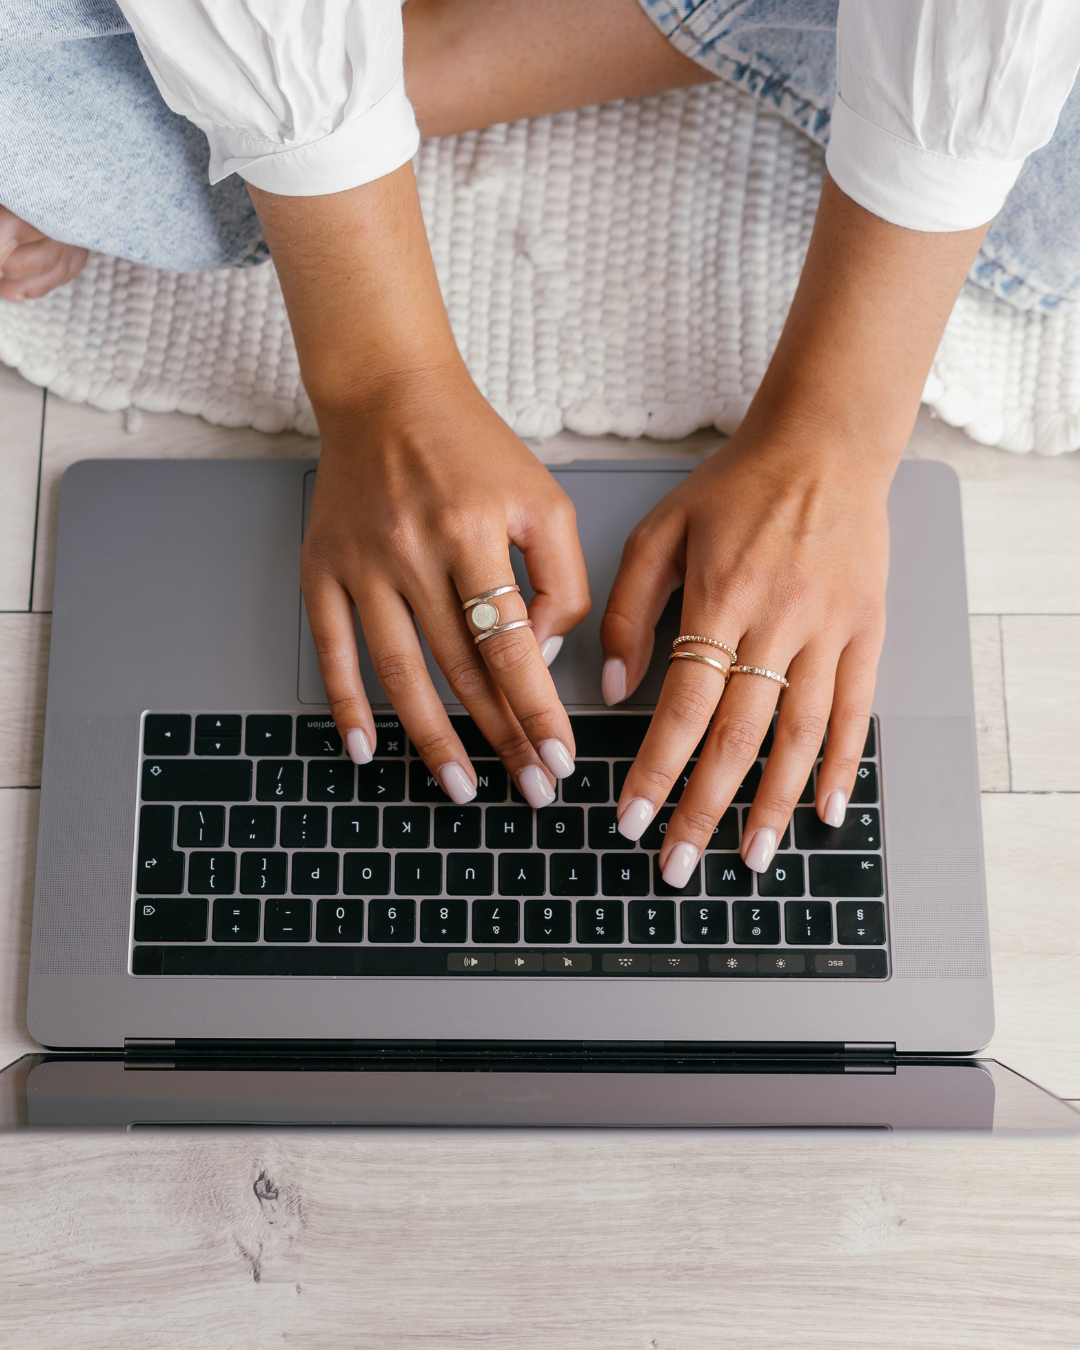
pixel 92 155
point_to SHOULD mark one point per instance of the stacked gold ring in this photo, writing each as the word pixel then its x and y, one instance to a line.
pixel 759 670
pixel 704 660
pixel 709 642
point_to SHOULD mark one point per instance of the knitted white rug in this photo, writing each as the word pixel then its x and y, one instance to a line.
pixel 625 269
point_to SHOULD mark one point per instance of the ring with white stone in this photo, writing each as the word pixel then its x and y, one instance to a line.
pixel 482 613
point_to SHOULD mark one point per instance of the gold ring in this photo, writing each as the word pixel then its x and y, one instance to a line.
pixel 482 612
pixel 705 661
pixel 709 642
pixel 503 628
pixel 758 670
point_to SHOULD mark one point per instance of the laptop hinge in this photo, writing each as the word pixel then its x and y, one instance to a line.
pixel 870 1047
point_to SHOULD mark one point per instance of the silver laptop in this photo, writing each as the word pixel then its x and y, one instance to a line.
pixel 213 871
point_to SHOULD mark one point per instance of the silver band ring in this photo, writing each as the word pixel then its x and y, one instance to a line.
pixel 709 642
pixel 488 595
pixel 758 670
pixel 502 628
pixel 481 610
pixel 705 661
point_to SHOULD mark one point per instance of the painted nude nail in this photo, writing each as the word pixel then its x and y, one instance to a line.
pixel 456 783
pixel 556 756
pixel 634 821
pixel 613 681
pixel 762 847
pixel 357 745
pixel 835 808
pixel 550 649
pixel 680 865
pixel 535 788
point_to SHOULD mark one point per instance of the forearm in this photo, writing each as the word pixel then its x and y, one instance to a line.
pixel 866 320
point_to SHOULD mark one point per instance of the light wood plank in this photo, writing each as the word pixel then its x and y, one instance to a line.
pixel 21 406
pixel 1042 681
pixel 74 432
pixel 990 723
pixel 24 668
pixel 18 845
pixel 458 1241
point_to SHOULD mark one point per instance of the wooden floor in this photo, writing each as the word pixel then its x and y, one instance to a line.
pixel 650 1242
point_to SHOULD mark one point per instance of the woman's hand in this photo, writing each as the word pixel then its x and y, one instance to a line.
pixel 413 507
pixel 784 554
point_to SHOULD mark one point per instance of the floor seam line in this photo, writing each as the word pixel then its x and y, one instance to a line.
pixel 37 500
pixel 1004 696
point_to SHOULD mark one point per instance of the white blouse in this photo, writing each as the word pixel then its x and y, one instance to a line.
pixel 939 101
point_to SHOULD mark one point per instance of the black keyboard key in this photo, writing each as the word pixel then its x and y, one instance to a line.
pixel 590 782
pixel 423 785
pixel 651 921
pixel 560 827
pixel 619 770
pixel 496 921
pixel 339 921
pixel 279 780
pixel 406 826
pixel 303 827
pixel 727 874
pixel 599 921
pixel 366 874
pixel 196 780
pixel 418 874
pixel 391 920
pixel 200 826
pixel 354 827
pixel 680 783
pixel 703 922
pixel 756 921
pixel 622 875
pixel 860 924
pixel 767 743
pixel 389 736
pixel 167 734
pixel 329 781
pixel 866 788
pixel 726 831
pixel 806 797
pixel 444 920
pixel 171 920
pixel 470 874
pixel 785 876
pixel 217 745
pixel 287 921
pixel 218 724
pixel 251 826
pixel 654 835
pixel 861 830
pixel 236 920
pixel 212 873
pixel 469 735
pixel 548 921
pixel 317 737
pixel 845 875
pixel 749 785
pixel 509 827
pixel 660 886
pixel 609 736
pixel 808 921
pixel 572 874
pixel 521 874
pixel 314 874
pixel 490 780
pixel 263 873
pixel 268 734
pixel 457 827
pixel 381 781
pixel 870 748
pixel 604 828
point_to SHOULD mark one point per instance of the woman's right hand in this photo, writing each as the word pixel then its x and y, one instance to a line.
pixel 415 504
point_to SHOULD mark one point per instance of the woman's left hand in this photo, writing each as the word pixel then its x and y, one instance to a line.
pixel 783 545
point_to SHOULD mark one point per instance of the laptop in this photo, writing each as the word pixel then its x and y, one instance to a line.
pixel 215 876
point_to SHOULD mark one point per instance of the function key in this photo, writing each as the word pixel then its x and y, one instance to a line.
pixel 317 737
pixel 279 780
pixel 590 782
pixel 495 920
pixel 217 734
pixel 201 827
pixel 287 921
pixel 354 827
pixel 339 921
pixel 866 788
pixel 861 830
pixel 859 925
pixel 236 920
pixel 567 963
pixel 703 921
pixel 845 875
pixel 609 735
pixel 808 921
pixel 444 920
pixel 599 921
pixel 167 734
pixel 652 921
pixel 783 877
pixel 625 963
pixel 391 920
pixel 171 920
pixel 547 921
pixel 268 734
pixel 756 921
pixel 519 963
pixel 389 736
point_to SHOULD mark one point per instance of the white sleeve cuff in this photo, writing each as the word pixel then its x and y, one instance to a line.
pixel 367 147
pixel 908 185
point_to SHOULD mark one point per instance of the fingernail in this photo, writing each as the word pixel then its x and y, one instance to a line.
pixel 680 865
pixel 556 756
pixel 550 649
pixel 762 847
pixel 357 745
pixel 535 788
pixel 634 821
pixel 613 681
pixel 456 783
pixel 835 808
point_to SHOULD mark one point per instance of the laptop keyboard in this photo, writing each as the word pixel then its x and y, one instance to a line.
pixel 262 850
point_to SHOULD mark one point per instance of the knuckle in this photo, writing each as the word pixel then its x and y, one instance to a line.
pixel 659 781
pixel 435 746
pixel 347 710
pixel 512 747
pixel 332 653
pixel 466 676
pixel 696 824
pixel 398 672
pixel 738 739
pixel 509 653
pixel 804 732
pixel 691 707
